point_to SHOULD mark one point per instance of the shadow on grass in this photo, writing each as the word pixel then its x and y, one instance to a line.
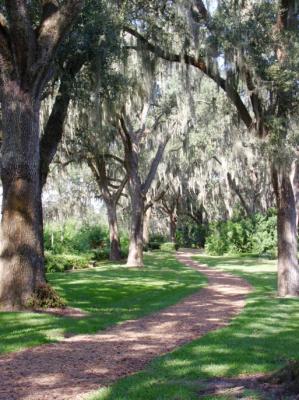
pixel 261 339
pixel 111 293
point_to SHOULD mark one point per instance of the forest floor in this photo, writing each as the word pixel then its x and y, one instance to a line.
pixel 77 365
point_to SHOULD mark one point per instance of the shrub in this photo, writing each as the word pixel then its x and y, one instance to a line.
pixel 255 234
pixel 154 245
pixel 65 262
pixel 158 239
pixel 191 234
pixel 216 243
pixel 252 234
pixel 74 246
pixel 72 237
pixel 124 252
pixel 124 244
pixel 101 254
pixel 169 246
pixel 265 237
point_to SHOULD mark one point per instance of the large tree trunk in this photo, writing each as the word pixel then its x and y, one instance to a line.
pixel 296 189
pixel 135 257
pixel 27 51
pixel 21 251
pixel 146 222
pixel 115 250
pixel 288 269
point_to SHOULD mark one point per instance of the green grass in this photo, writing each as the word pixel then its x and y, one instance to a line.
pixel 261 339
pixel 111 293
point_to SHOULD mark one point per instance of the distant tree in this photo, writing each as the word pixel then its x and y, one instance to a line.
pixel 85 72
pixel 169 204
pixel 257 44
pixel 70 194
pixel 138 188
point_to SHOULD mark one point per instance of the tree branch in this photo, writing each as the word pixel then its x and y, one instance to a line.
pixel 119 191
pixel 114 157
pixel 21 34
pixel 199 10
pixel 125 134
pixel 54 128
pixel 235 188
pixel 55 25
pixel 154 166
pixel 5 48
pixel 200 64
pixel 52 30
pixel 49 8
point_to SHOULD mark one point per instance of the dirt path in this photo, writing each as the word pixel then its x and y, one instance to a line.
pixel 74 367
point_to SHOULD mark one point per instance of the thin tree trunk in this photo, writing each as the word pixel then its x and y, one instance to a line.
pixel 172 228
pixel 98 168
pixel 135 257
pixel 288 269
pixel 146 222
pixel 137 189
pixel 115 250
pixel 21 251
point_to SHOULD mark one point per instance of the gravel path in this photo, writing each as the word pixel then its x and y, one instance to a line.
pixel 76 366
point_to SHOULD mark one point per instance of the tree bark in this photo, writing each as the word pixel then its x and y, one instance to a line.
pixel 296 190
pixel 98 168
pixel 54 130
pixel 115 250
pixel 146 222
pixel 288 269
pixel 135 257
pixel 26 56
pixel 137 189
pixel 21 251
pixel 172 228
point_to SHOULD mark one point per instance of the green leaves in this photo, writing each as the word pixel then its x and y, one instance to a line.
pixel 256 234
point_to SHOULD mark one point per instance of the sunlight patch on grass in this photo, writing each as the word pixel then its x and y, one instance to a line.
pixel 110 293
pixel 261 339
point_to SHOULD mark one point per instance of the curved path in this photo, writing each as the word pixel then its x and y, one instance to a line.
pixel 74 367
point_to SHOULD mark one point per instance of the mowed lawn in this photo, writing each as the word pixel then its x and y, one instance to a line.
pixel 261 339
pixel 110 293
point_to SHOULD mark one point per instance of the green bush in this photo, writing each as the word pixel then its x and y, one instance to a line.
pixel 169 246
pixel 255 234
pixel 157 238
pixel 156 241
pixel 216 243
pixel 124 244
pixel 101 254
pixel 65 262
pixel 265 237
pixel 191 234
pixel 74 245
pixel 154 245
pixel 72 237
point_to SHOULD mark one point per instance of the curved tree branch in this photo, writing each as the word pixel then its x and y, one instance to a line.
pixel 200 64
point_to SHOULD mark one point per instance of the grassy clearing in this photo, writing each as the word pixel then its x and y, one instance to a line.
pixel 261 339
pixel 111 293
